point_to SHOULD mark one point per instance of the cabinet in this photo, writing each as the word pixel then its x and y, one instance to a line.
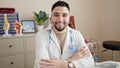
pixel 17 52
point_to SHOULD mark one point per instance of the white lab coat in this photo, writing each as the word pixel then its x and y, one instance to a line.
pixel 47 47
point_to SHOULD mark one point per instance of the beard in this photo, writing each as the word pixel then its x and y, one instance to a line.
pixel 60 28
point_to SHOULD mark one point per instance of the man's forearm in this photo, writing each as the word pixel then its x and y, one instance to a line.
pixel 82 53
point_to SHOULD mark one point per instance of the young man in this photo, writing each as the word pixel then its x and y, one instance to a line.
pixel 60 46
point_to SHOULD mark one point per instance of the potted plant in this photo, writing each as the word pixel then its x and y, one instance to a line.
pixel 40 17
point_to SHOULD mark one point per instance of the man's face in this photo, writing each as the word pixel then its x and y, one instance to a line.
pixel 60 17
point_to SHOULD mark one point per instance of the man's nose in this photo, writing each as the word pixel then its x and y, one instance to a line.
pixel 60 19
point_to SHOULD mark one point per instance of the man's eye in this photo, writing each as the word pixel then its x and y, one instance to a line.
pixel 56 15
pixel 64 15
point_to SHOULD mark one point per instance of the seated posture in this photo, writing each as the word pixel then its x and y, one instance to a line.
pixel 60 46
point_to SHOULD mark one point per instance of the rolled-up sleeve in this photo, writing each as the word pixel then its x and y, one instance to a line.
pixel 86 62
pixel 41 50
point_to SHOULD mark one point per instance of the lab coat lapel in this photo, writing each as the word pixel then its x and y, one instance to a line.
pixel 54 40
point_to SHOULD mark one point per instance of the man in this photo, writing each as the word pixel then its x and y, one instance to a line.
pixel 60 46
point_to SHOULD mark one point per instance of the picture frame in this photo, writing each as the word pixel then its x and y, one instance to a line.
pixel 28 26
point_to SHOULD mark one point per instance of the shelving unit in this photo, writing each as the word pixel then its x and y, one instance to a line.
pixel 17 52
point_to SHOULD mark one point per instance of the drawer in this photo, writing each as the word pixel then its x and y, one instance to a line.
pixel 30 59
pixel 11 45
pixel 16 61
pixel 117 56
pixel 30 44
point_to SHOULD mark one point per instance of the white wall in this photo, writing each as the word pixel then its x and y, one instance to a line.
pixel 109 22
pixel 26 7
pixel 86 15
pixel 85 12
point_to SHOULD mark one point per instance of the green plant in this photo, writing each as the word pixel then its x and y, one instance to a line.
pixel 40 17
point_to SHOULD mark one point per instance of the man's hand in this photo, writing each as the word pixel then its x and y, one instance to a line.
pixel 53 63
pixel 82 53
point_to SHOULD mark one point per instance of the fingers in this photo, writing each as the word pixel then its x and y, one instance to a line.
pixel 84 51
pixel 45 62
pixel 86 54
pixel 52 63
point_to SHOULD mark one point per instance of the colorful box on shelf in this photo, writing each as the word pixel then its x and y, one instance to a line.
pixel 11 18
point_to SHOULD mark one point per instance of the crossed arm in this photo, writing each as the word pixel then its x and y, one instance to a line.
pixel 57 63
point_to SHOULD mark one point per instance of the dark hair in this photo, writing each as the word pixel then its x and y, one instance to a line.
pixel 60 3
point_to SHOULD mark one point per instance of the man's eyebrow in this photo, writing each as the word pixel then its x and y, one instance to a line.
pixel 58 13
pixel 55 13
